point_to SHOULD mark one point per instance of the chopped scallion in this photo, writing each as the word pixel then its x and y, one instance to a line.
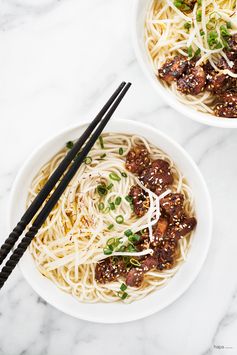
pixel 224 31
pixel 109 187
pixel 135 262
pixel 199 16
pixel 101 142
pixel 190 51
pixel 111 226
pixel 118 200
pixel 187 25
pixel 120 151
pixel 197 52
pixel 102 190
pixel 129 199
pixel 114 176
pixel 101 206
pixel 106 210
pixel 124 174
pixel 128 232
pixel 123 287
pixel 134 238
pixel 107 251
pixel 119 219
pixel 112 206
pixel 88 160
pixel 69 144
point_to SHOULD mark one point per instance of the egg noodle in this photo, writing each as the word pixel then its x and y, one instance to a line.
pixel 72 240
pixel 170 32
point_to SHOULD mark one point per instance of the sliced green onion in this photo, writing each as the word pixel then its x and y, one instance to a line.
pixel 119 219
pixel 102 190
pixel 103 156
pixel 187 25
pixel 123 287
pixel 107 210
pixel 121 151
pixel 114 176
pixel 190 51
pixel 122 295
pixel 110 241
pixel 112 206
pixel 107 251
pixel 128 232
pixel 224 31
pixel 122 248
pixel 131 248
pixel 110 186
pixel 219 45
pixel 129 199
pixel 118 200
pixel 228 25
pixel 199 16
pixel 134 238
pixel 202 33
pixel 101 206
pixel 135 262
pixel 124 174
pixel 178 4
pixel 69 144
pixel 110 226
pixel 212 38
pixel 197 52
pixel 199 2
pixel 88 160
pixel 101 142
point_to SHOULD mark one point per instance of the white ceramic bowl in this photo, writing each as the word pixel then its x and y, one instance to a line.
pixel 138 21
pixel 117 312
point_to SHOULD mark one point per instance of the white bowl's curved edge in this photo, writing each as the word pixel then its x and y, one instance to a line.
pixel 174 103
pixel 142 314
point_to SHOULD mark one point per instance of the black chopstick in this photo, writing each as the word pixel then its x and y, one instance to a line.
pixel 42 195
pixel 43 214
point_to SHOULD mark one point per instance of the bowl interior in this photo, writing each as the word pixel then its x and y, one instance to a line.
pixel 117 312
pixel 139 12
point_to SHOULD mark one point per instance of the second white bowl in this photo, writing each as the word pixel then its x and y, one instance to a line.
pixel 138 21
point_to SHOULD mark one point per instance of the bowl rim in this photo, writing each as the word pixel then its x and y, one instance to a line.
pixel 142 313
pixel 207 119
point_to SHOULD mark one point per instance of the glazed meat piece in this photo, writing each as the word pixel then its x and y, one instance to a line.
pixel 140 200
pixel 172 69
pixel 181 227
pixel 137 159
pixel 157 176
pixel 172 205
pixel 231 52
pixel 227 105
pixel 107 271
pixel 193 81
pixel 217 82
pixel 165 253
pixel 159 230
pixel 135 277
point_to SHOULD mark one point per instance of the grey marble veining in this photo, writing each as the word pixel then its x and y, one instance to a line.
pixel 59 61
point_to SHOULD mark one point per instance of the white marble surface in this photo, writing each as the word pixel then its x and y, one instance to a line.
pixel 59 61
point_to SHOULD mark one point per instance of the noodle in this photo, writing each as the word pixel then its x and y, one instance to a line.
pixel 71 241
pixel 165 37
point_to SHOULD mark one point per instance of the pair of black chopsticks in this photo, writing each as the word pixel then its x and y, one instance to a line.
pixel 74 158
